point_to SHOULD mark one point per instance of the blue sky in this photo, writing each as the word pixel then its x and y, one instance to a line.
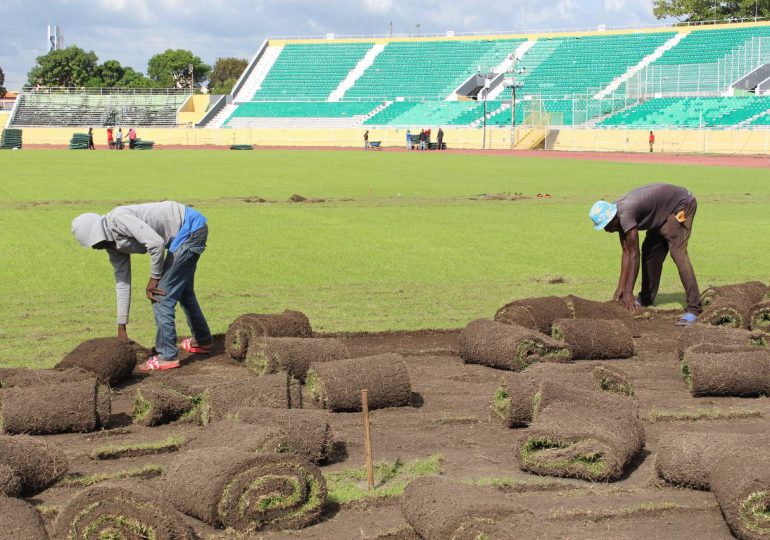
pixel 131 31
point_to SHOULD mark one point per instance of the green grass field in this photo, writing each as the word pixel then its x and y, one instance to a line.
pixel 398 245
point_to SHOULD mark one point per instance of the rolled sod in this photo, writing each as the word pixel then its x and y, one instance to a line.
pixel 35 463
pixel 10 483
pixel 521 396
pixel 337 385
pixel 749 291
pixel 246 491
pixel 156 404
pixel 535 313
pixel 594 339
pixel 120 510
pixel 583 308
pixel 712 370
pixel 111 359
pixel 310 432
pixel 55 408
pixel 244 331
pixel 731 305
pixel 741 483
pixel 293 355
pixel 580 441
pixel 698 334
pixel 19 520
pixel 24 377
pixel 508 346
pixel 759 317
pixel 439 509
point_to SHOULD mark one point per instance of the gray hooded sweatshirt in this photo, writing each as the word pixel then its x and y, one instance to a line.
pixel 139 228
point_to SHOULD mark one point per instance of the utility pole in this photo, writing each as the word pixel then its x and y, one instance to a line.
pixel 391 29
pixel 192 78
pixel 418 30
pixel 513 84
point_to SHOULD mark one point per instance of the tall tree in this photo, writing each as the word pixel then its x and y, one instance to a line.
pixel 710 10
pixel 225 74
pixel 3 91
pixel 171 69
pixel 66 67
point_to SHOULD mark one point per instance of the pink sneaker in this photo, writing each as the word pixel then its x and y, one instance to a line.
pixel 154 363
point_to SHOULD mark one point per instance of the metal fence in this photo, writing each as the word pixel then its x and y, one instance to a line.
pixel 79 90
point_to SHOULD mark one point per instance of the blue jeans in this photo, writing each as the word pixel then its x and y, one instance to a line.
pixel 178 282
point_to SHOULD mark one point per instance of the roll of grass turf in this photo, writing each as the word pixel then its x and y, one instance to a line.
pixel 310 430
pixel 120 510
pixel 535 313
pixel 244 331
pixel 759 317
pixel 580 441
pixel 508 346
pixel 439 509
pixel 156 404
pixel 521 395
pixel 34 462
pixel 741 483
pixel 699 334
pixel 10 483
pixel 111 359
pixel 241 147
pixel 55 408
pixel 293 355
pixel 20 520
pixel 710 370
pixel 751 291
pixel 337 385
pixel 594 339
pixel 246 492
pixel 731 305
pixel 24 377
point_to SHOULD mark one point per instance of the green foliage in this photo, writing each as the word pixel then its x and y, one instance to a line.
pixel 66 67
pixel 225 74
pixel 707 10
pixel 170 68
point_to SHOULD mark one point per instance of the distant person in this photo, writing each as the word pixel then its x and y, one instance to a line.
pixel 422 139
pixel 154 228
pixel 91 139
pixel 408 140
pixel 110 139
pixel 440 138
pixel 119 139
pixel 366 140
pixel 131 139
pixel 652 140
pixel 666 212
pixel 427 139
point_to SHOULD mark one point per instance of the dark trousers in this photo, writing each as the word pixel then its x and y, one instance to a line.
pixel 671 237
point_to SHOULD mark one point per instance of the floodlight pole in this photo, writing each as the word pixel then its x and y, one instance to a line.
pixel 514 85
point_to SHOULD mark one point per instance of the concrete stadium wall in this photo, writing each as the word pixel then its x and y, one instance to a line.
pixel 4 118
pixel 568 139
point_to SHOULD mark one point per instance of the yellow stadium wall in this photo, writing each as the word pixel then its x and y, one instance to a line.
pixel 193 110
pixel 4 118
pixel 569 140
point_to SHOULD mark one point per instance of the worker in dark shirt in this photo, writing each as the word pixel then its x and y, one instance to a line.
pixel 666 212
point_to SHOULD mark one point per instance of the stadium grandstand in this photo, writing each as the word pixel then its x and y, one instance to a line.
pixel 700 77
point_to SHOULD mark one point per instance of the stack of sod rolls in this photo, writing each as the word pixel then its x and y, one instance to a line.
pixel 292 355
pixel 731 305
pixel 29 465
pixel 594 339
pixel 735 467
pixel 50 401
pixel 724 370
pixel 121 510
pixel 243 332
pixel 508 346
pixel 535 313
pixel 246 491
pixel 337 385
pixel 698 334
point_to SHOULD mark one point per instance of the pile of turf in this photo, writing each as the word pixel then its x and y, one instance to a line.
pixel 583 308
pixel 79 141
pixel 19 520
pixel 522 395
pixel 293 355
pixel 111 359
pixel 120 510
pixel 719 370
pixel 246 491
pixel 29 465
pixel 11 138
pixel 243 332
pixel 698 334
pixel 80 406
pixel 337 385
pixel 535 313
pixel 589 339
pixel 581 440
pixel 731 305
pixel 156 403
pixel 143 145
pixel 23 377
pixel 759 317
pixel 310 432
pixel 241 147
pixel 508 346
pixel 247 438
pixel 439 509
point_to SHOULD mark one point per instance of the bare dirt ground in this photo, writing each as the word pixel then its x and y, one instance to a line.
pixel 450 416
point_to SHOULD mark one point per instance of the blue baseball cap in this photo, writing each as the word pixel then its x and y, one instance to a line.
pixel 602 213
